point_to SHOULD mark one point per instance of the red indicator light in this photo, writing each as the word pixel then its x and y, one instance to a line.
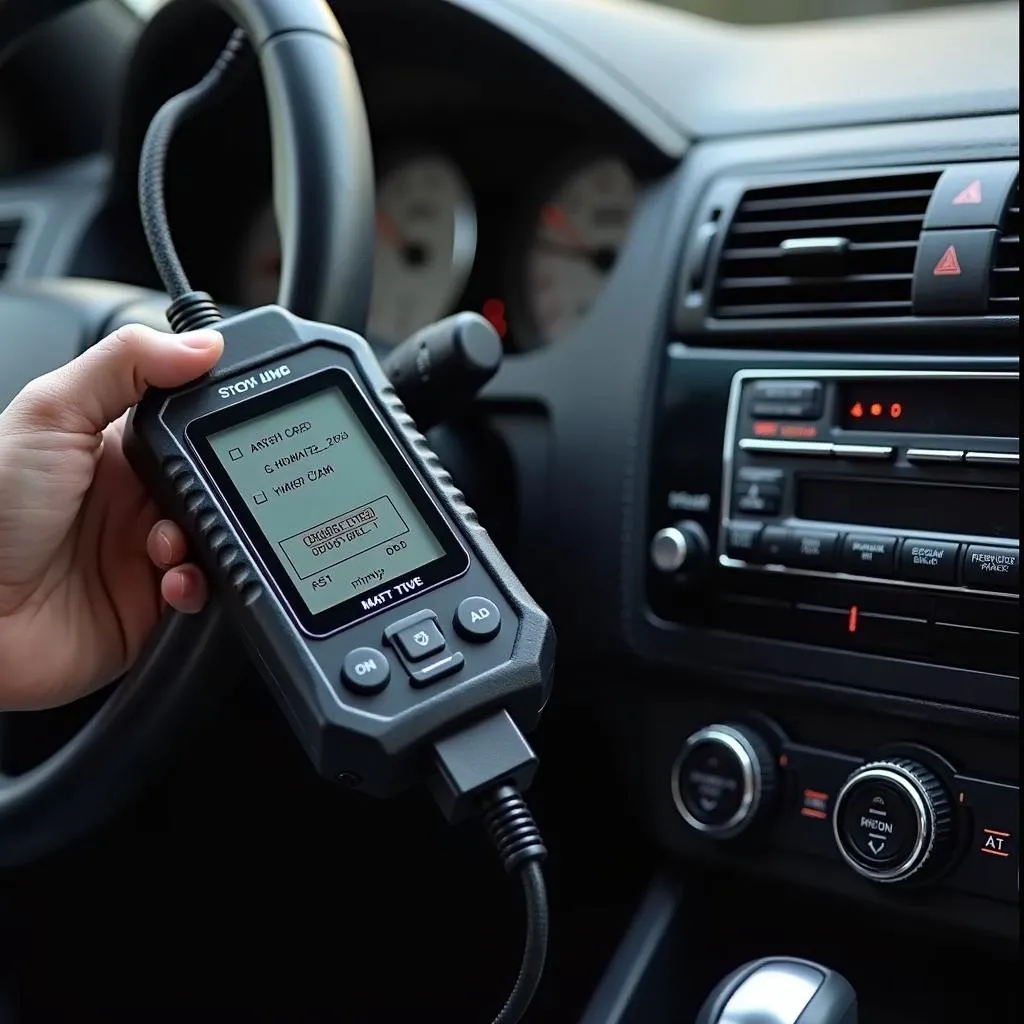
pixel 895 410
pixel 804 430
pixel 876 408
pixel 851 622
pixel 857 411
pixel 493 310
pixel 766 428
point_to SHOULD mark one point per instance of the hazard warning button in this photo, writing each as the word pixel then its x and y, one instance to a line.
pixel 951 272
pixel 972 195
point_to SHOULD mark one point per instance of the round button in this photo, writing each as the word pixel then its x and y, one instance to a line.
pixel 365 671
pixel 477 619
pixel 668 549
pixel 891 819
pixel 721 779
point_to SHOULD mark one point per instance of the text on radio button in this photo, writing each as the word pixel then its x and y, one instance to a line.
pixel 992 568
pixel 928 561
pixel 868 554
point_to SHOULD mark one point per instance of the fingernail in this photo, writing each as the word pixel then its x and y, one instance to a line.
pixel 163 543
pixel 199 339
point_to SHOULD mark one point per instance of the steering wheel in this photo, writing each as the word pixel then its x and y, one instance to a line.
pixel 324 200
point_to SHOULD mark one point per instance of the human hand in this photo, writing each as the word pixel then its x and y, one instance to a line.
pixel 86 564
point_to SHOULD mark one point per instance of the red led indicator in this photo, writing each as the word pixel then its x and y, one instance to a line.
pixel 851 622
pixel 895 410
pixel 857 411
pixel 876 408
pixel 493 310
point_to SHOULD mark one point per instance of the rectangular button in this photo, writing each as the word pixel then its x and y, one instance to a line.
pixel 863 451
pixel 951 272
pixel 992 568
pixel 761 445
pixel 773 545
pixel 812 549
pixel 928 561
pixel 755 498
pixel 437 670
pixel 1009 459
pixel 741 540
pixel 787 399
pixel 990 864
pixel 866 554
pixel 972 195
pixel 934 455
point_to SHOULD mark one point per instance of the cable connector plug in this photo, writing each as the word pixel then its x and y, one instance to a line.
pixel 476 761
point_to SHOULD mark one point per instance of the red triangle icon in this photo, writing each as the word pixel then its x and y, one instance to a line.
pixel 970 196
pixel 949 265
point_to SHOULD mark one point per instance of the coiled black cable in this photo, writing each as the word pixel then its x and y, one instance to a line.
pixel 189 310
pixel 514 834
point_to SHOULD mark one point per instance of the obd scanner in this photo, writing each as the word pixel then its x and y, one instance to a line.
pixel 393 635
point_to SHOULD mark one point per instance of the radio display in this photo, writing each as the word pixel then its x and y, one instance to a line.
pixel 964 408
pixel 936 508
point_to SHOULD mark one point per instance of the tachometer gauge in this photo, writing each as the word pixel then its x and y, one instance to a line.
pixel 426 242
pixel 575 244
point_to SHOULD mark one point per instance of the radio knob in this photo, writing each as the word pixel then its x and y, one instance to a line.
pixel 724 780
pixel 892 819
pixel 680 548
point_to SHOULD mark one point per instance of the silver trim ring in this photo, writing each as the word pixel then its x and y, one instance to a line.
pixel 923 813
pixel 740 747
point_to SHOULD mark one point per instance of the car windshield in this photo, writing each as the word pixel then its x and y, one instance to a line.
pixel 753 12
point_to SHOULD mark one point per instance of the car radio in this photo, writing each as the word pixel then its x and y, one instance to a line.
pixel 907 478
pixel 869 510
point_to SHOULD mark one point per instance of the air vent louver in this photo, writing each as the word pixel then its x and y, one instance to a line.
pixel 9 230
pixel 1004 290
pixel 827 249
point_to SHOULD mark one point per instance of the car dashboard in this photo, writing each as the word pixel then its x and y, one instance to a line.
pixel 759 293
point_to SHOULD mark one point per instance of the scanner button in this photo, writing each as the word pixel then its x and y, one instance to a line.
pixel 420 640
pixel 930 561
pixel 477 619
pixel 437 669
pixel 868 554
pixel 365 671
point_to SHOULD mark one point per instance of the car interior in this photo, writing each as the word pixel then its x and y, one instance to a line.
pixel 748 269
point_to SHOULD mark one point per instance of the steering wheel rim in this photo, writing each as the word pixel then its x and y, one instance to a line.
pixel 324 200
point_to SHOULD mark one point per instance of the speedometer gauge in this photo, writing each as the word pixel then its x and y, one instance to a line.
pixel 426 241
pixel 575 244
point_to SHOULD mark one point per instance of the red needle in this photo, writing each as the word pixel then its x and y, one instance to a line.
pixel 555 219
pixel 388 230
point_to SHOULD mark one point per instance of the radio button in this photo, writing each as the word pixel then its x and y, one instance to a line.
pixel 787 399
pixel 929 561
pixel 863 451
pixel 758 497
pixel 934 455
pixel 992 568
pixel 993 458
pixel 868 555
pixel 775 543
pixel 812 549
pixel 741 540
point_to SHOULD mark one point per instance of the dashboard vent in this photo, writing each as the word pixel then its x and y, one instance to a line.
pixel 10 228
pixel 831 249
pixel 1004 290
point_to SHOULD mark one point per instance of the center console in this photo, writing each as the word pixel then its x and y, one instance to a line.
pixel 830 556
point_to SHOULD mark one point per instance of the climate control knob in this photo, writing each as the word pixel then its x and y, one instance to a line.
pixel 680 548
pixel 893 819
pixel 724 780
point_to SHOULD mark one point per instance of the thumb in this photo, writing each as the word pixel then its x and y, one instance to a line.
pixel 104 382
